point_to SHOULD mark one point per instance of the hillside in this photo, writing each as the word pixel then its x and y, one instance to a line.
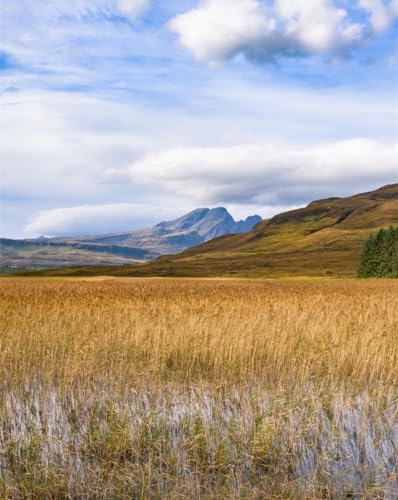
pixel 323 239
pixel 169 237
pixel 46 253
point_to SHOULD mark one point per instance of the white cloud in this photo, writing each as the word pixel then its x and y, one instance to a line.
pixel 317 25
pixel 273 174
pixel 96 219
pixel 217 30
pixel 381 15
pixel 132 8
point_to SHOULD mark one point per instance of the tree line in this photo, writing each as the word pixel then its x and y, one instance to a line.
pixel 379 257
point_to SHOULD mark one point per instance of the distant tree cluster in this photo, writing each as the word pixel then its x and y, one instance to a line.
pixel 379 258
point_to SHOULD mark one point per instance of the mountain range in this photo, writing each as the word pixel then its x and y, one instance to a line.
pixel 170 237
pixel 325 238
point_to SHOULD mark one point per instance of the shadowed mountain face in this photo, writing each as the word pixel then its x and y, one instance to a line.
pixel 171 237
pixel 323 239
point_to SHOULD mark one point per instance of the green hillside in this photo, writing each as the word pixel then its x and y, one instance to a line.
pixel 323 239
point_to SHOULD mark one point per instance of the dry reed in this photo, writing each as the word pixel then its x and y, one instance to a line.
pixel 198 389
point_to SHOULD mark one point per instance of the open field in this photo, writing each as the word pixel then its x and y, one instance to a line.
pixel 162 388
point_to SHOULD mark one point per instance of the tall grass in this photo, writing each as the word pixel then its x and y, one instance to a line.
pixel 198 389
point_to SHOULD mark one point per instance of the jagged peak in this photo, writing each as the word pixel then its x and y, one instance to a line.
pixel 220 210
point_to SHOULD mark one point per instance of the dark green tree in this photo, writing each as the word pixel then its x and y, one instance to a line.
pixel 366 266
pixel 379 257
pixel 395 255
pixel 387 253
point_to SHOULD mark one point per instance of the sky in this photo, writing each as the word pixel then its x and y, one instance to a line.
pixel 118 114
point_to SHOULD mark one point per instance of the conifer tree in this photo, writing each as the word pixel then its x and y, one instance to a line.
pixel 365 263
pixel 379 257
pixel 395 255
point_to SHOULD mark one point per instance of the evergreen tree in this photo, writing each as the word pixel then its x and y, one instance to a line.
pixel 387 253
pixel 395 255
pixel 365 268
pixel 379 257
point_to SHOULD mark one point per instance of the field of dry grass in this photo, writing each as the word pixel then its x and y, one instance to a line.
pixel 129 388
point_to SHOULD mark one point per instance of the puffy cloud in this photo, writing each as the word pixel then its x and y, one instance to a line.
pixel 96 219
pixel 132 8
pixel 381 15
pixel 217 30
pixel 317 26
pixel 273 174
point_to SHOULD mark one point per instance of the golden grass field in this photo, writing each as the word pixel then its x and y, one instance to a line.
pixel 162 388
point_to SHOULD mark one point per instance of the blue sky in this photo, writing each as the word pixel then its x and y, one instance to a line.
pixel 117 114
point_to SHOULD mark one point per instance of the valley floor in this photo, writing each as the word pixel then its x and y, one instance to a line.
pixel 183 388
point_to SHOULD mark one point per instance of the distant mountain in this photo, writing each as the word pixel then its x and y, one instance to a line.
pixel 174 236
pixel 323 239
pixel 171 237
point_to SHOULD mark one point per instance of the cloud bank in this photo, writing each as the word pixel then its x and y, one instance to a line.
pixel 273 174
pixel 218 30
pixel 96 219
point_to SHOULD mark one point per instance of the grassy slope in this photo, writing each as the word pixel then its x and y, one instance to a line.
pixel 323 239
